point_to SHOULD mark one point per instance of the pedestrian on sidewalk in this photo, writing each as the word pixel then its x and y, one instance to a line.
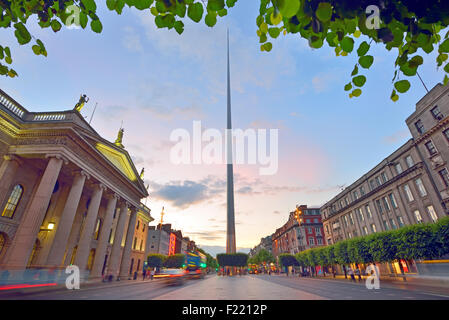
pixel 351 274
pixel 151 274
pixel 144 273
pixel 357 272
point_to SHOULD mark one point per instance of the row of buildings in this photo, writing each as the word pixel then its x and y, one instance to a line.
pixel 70 197
pixel 162 239
pixel 409 186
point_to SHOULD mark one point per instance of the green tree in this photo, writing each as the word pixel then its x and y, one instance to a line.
pixel 155 260
pixel 441 234
pixel 383 246
pixel 175 261
pixel 287 260
pixel 407 27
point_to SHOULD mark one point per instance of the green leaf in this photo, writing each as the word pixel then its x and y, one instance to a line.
pixel 394 96
pixel 444 47
pixel 355 70
pixel 195 11
pixel 402 86
pixel 366 61
pixel 215 5
pixel 446 67
pixel 356 92
pixel 96 26
pixel 55 25
pixel 324 12
pixel 288 8
pixel 143 4
pixel 268 46
pixel 36 49
pixel 348 86
pixel 211 19
pixel 111 4
pixel 8 60
pixel 276 18
pixel 347 44
pixel 179 27
pixel 363 48
pixel 89 5
pixel 274 32
pixel 359 81
pixel 21 33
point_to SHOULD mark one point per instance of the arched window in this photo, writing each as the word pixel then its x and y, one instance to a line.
pixel 13 201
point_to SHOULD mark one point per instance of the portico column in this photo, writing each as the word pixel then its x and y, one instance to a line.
pixel 8 171
pixel 104 237
pixel 82 252
pixel 65 223
pixel 25 237
pixel 113 266
pixel 124 266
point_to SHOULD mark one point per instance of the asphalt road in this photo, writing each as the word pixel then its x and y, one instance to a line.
pixel 249 287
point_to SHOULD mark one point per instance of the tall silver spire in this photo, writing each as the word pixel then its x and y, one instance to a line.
pixel 230 239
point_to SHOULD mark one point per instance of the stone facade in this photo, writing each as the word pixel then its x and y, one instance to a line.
pixel 67 195
pixel 408 187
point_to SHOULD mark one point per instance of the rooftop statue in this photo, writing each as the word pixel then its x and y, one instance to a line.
pixel 118 141
pixel 83 99
pixel 141 173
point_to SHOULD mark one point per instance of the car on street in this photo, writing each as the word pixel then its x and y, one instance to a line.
pixel 172 276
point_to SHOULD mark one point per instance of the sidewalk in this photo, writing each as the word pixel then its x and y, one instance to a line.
pixel 92 284
pixel 439 285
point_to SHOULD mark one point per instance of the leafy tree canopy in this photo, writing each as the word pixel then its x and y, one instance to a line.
pixel 410 27
pixel 174 261
pixel 155 260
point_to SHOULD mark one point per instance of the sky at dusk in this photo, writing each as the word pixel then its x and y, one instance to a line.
pixel 156 81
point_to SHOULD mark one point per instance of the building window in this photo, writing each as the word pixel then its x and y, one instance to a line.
pixel 138 224
pixel 346 220
pixel 432 213
pixel 436 113
pixel 398 168
pixel 410 162
pixel 141 245
pixel 311 241
pixel 362 217
pixel 309 230
pixel 401 221
pixel 362 190
pixel 346 201
pixel 368 212
pixel 110 237
pixel 373 227
pixel 419 126
pixel 13 201
pixel 446 134
pixel 365 231
pixel 319 241
pixel 444 174
pixel 351 218
pixel 393 201
pixel 384 177
pixel 318 231
pixel 408 193
pixel 315 220
pixel 386 204
pixel 135 243
pixel 379 206
pixel 420 185
pixel 372 184
pixel 431 148
pixel 393 224
pixel 385 224
pixel 378 181
pixel 418 216
pixel 356 195
pixel 2 243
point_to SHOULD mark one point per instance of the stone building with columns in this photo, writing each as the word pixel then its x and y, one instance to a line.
pixel 67 195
